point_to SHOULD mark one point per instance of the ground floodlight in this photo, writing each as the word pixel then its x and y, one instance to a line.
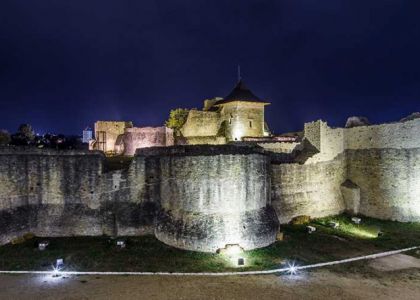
pixel 59 263
pixel 292 268
pixel 121 243
pixel 233 249
pixel 241 261
pixel 334 225
pixel 43 245
pixel 310 229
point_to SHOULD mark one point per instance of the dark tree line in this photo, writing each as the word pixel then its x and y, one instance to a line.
pixel 25 136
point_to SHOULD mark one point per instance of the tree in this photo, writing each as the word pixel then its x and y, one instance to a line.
pixel 24 136
pixel 26 131
pixel 177 118
pixel 4 137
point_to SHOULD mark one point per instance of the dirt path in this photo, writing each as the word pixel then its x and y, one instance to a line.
pixel 320 284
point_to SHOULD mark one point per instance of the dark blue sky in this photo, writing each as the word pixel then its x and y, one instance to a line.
pixel 65 64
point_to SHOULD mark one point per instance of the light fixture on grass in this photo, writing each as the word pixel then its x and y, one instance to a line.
pixel 292 268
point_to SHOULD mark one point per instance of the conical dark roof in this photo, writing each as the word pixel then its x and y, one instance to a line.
pixel 240 93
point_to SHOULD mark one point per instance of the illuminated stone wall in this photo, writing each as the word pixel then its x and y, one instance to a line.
pixel 243 119
pixel 398 135
pixel 112 129
pixel 206 140
pixel 389 182
pixel 66 193
pixel 232 121
pixel 308 189
pixel 281 147
pixel 143 137
pixel 212 196
pixel 201 124
pixel 382 160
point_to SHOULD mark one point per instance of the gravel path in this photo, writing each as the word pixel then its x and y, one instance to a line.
pixel 319 284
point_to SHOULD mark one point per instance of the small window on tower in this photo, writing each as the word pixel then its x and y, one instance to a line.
pixel 250 124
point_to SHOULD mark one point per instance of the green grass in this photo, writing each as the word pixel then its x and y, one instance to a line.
pixel 146 253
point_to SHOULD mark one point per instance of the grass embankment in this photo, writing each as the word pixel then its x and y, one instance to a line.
pixel 148 254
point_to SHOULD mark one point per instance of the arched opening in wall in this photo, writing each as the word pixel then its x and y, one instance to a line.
pixel 250 124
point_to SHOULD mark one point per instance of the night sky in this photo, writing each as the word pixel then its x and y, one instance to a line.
pixel 65 64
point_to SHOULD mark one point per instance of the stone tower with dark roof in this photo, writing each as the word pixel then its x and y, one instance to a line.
pixel 240 114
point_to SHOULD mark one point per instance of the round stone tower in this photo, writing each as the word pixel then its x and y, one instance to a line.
pixel 211 196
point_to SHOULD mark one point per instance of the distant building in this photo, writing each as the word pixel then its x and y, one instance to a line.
pixel 87 135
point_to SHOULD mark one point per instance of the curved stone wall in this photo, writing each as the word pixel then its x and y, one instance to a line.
pixel 213 196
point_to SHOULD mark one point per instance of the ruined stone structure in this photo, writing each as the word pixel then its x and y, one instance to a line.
pixel 144 137
pixel 107 134
pixel 117 137
pixel 240 114
pixel 203 197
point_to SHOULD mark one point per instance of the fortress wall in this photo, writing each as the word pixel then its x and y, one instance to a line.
pixel 281 147
pixel 389 182
pixel 329 141
pixel 144 137
pixel 212 196
pixel 201 123
pixel 382 160
pixel 400 135
pixel 206 140
pixel 308 189
pixel 64 193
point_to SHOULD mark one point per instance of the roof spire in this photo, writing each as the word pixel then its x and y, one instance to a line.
pixel 239 73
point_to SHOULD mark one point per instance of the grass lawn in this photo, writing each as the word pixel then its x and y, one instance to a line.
pixel 145 253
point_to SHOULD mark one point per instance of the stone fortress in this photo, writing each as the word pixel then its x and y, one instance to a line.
pixel 202 196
